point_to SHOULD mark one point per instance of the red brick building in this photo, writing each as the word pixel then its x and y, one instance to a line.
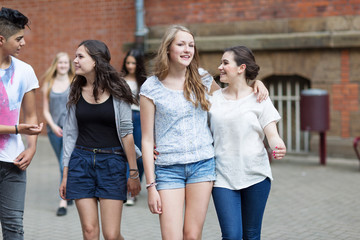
pixel 298 44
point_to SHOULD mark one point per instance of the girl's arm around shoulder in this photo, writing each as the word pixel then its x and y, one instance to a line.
pixel 147 117
pixel 258 87
pixel 261 91
pixel 214 87
pixel 275 141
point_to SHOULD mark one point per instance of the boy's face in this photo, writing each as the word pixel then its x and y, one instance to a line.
pixel 13 44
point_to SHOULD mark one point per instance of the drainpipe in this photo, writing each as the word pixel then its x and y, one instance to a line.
pixel 141 29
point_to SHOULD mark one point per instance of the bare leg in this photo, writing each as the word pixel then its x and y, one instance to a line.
pixel 111 211
pixel 171 219
pixel 63 203
pixel 197 197
pixel 88 213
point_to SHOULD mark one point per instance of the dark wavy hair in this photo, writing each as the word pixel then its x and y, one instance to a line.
pixel 106 76
pixel 140 72
pixel 243 55
pixel 11 21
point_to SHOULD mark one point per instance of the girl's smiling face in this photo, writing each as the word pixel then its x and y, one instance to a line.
pixel 228 68
pixel 63 65
pixel 181 50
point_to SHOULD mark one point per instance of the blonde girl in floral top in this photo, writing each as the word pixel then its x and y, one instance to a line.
pixel 173 109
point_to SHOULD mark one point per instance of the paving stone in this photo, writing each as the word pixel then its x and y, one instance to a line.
pixel 307 201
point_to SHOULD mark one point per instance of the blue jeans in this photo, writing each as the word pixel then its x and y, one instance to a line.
pixel 240 212
pixel 137 140
pixel 12 200
pixel 57 145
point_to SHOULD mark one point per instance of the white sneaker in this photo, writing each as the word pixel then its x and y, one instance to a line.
pixel 130 200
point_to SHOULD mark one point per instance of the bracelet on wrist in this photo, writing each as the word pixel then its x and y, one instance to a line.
pixel 134 174
pixel 133 169
pixel 153 184
pixel 136 177
pixel 16 129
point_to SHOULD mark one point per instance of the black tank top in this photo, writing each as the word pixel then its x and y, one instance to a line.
pixel 96 123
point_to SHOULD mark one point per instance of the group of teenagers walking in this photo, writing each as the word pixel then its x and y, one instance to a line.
pixel 195 140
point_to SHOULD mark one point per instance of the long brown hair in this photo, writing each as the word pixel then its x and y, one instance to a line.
pixel 194 89
pixel 50 74
pixel 106 76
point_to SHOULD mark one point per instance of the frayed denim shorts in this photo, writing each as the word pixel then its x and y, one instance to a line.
pixel 178 175
pixel 97 175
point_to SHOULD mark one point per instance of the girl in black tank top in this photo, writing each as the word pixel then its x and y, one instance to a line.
pixel 98 141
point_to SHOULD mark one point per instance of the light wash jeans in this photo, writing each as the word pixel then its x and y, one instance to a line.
pixel 12 200
pixel 240 212
pixel 57 145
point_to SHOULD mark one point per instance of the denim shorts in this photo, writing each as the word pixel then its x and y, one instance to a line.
pixel 178 175
pixel 97 175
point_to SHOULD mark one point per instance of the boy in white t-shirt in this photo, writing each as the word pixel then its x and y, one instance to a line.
pixel 17 88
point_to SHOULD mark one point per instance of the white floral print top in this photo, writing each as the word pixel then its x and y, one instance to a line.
pixel 181 131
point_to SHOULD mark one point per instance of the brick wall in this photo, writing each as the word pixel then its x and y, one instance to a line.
pixel 60 25
pixel 163 12
pixel 333 68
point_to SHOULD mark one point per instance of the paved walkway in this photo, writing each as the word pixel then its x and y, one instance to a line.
pixel 307 201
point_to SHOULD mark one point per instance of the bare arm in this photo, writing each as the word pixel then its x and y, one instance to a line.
pixel 261 91
pixel 147 116
pixel 129 148
pixel 258 88
pixel 23 128
pixel 46 111
pixel 28 106
pixel 274 140
pixel 62 189
pixel 214 86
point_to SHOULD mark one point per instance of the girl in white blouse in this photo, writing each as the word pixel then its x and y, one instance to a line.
pixel 239 124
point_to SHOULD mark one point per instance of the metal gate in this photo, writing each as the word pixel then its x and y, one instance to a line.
pixel 285 94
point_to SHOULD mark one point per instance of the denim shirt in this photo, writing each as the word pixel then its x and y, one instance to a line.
pixel 181 132
pixel 123 123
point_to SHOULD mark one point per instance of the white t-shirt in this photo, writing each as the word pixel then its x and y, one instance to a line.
pixel 15 81
pixel 238 131
pixel 134 89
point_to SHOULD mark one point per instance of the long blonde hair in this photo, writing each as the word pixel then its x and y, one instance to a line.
pixel 194 89
pixel 50 74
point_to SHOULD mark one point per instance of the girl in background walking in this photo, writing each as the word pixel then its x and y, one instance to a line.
pixel 57 79
pixel 135 75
